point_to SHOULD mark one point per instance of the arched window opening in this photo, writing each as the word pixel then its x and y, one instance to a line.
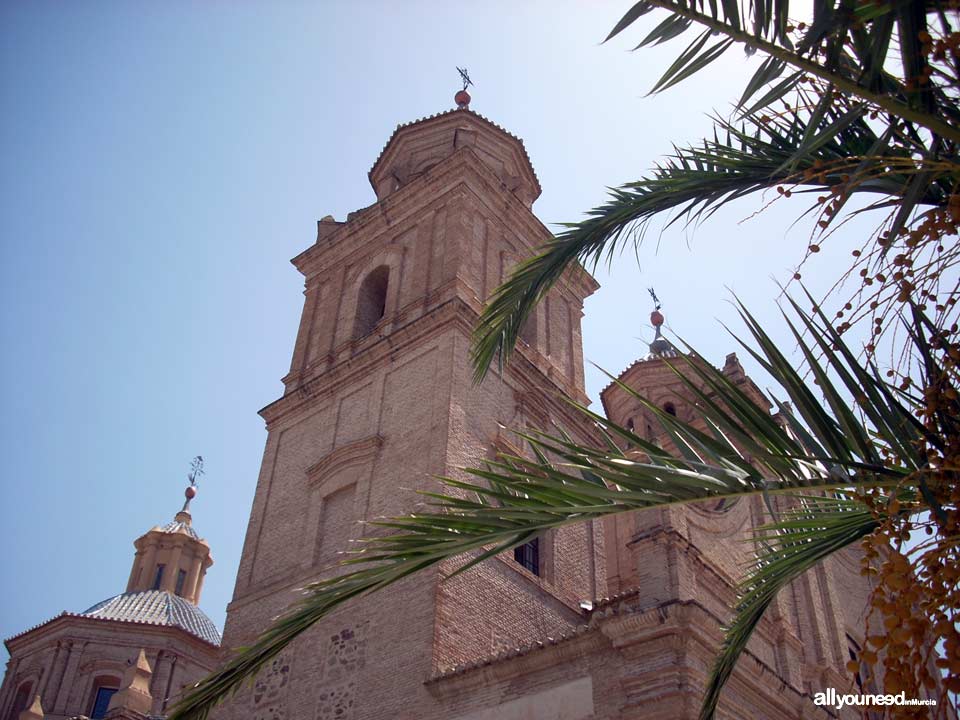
pixel 20 701
pixel 372 301
pixel 670 409
pixel 630 424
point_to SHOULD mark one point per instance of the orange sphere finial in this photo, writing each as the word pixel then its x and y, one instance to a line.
pixel 196 470
pixel 656 317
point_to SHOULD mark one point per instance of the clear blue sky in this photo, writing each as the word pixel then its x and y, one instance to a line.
pixel 163 161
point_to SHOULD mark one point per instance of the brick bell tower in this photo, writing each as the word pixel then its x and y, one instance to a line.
pixel 379 400
pixel 687 560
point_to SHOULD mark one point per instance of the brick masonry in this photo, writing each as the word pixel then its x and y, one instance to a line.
pixel 369 416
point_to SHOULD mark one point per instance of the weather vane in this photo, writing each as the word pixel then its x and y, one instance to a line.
pixel 196 471
pixel 656 300
pixel 465 76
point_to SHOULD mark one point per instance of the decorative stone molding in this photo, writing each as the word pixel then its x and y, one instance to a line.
pixel 350 454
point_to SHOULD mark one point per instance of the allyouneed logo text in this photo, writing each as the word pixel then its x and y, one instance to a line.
pixel 831 698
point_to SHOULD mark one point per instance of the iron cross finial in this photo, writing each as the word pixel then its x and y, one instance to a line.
pixel 656 300
pixel 465 76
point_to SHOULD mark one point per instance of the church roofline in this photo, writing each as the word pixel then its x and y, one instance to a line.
pixel 402 127
pixel 598 610
pixel 67 615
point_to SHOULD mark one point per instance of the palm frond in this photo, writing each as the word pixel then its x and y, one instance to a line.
pixel 740 450
pixel 840 149
pixel 822 50
pixel 801 538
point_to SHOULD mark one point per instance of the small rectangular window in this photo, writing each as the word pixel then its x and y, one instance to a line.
pixel 181 578
pixel 102 702
pixel 528 555
pixel 158 578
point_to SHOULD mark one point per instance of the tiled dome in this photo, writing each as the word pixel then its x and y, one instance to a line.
pixel 157 607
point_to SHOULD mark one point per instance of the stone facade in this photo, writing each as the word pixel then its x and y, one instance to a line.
pixel 379 399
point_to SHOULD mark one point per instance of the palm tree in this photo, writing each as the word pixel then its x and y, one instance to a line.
pixel 831 119
pixel 822 454
pixel 861 461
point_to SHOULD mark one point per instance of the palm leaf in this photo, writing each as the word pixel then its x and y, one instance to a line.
pixel 822 51
pixel 841 148
pixel 561 482
pixel 802 538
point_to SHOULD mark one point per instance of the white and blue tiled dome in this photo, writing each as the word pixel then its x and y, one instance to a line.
pixel 157 607
pixel 156 617
pixel 167 577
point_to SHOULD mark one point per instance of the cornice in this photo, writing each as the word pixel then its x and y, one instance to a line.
pixel 170 539
pixel 381 352
pixel 409 203
pixel 67 619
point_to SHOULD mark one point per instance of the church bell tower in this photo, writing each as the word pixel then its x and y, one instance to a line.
pixel 379 400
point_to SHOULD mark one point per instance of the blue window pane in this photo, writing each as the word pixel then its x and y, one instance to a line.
pixel 102 702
